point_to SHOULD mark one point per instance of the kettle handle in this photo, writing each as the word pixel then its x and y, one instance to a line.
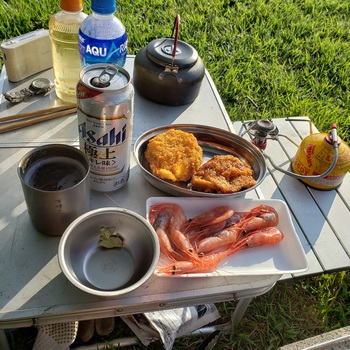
pixel 176 29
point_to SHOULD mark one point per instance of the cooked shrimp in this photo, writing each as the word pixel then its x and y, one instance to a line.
pixel 234 219
pixel 160 224
pixel 209 217
pixel 209 223
pixel 184 246
pixel 184 267
pixel 175 217
pixel 265 236
pixel 196 236
pixel 221 240
pixel 180 267
pixel 209 262
pixel 259 217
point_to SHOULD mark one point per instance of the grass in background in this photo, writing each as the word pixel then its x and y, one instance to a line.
pixel 291 58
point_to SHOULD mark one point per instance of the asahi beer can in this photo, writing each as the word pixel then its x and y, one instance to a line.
pixel 105 100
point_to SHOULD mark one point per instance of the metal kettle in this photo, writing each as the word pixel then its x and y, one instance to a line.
pixel 168 71
pixel 321 161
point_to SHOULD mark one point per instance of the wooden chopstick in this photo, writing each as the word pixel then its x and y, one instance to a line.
pixel 38 113
pixel 30 118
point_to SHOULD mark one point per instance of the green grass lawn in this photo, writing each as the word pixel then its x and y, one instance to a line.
pixel 292 58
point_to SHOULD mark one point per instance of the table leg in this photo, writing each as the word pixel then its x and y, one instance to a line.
pixel 240 310
pixel 4 345
pixel 236 316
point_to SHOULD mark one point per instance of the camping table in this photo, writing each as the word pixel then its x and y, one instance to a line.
pixel 35 292
pixel 33 289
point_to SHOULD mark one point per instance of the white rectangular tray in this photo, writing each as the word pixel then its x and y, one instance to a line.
pixel 285 257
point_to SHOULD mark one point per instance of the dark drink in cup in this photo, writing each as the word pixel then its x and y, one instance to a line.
pixel 54 174
pixel 56 185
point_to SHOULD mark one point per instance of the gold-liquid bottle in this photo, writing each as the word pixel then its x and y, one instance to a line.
pixel 63 28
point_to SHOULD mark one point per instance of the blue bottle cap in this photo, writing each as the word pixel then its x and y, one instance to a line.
pixel 103 6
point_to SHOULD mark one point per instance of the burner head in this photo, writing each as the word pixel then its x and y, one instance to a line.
pixel 260 130
pixel 263 128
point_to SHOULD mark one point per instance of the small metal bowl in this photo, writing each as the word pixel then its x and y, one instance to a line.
pixel 214 141
pixel 103 271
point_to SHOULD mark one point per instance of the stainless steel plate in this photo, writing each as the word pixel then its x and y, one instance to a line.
pixel 213 141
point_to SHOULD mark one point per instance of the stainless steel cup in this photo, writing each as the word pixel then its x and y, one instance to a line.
pixel 56 186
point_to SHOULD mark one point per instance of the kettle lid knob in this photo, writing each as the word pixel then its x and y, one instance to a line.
pixel 160 51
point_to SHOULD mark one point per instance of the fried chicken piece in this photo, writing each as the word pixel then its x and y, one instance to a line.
pixel 174 155
pixel 223 174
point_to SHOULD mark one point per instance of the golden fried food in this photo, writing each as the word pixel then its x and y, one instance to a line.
pixel 223 174
pixel 174 155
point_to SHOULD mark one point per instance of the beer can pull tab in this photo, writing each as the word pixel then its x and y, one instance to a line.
pixel 104 79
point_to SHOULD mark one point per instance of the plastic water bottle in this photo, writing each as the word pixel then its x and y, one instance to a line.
pixel 102 36
pixel 63 29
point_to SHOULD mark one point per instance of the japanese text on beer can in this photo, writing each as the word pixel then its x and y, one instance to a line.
pixel 105 119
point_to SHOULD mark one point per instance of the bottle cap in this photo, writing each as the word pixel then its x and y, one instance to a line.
pixel 103 6
pixel 71 5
